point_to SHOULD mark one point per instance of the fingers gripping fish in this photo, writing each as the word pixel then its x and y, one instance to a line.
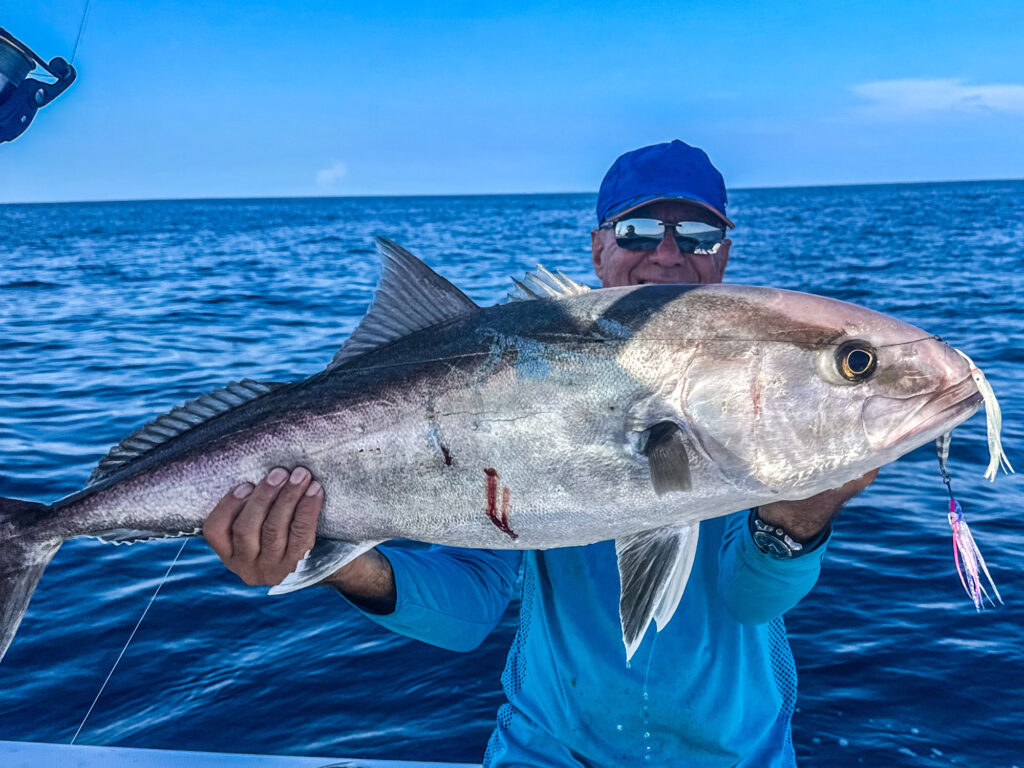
pixel 562 418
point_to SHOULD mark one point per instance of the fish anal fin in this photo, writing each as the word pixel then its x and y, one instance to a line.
pixel 665 449
pixel 410 296
pixel 326 556
pixel 119 536
pixel 654 567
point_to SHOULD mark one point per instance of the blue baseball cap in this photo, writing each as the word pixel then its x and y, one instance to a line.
pixel 670 171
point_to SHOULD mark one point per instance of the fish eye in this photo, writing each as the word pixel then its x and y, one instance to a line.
pixel 856 361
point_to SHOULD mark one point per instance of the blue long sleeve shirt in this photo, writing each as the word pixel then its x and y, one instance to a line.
pixel 716 687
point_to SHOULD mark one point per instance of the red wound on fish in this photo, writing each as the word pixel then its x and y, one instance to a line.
pixel 500 520
pixel 492 494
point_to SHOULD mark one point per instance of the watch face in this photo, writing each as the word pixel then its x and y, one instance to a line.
pixel 771 545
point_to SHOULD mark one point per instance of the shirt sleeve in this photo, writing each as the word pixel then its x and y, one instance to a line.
pixel 450 597
pixel 756 586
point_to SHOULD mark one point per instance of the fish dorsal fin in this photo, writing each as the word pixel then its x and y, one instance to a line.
pixel 178 420
pixel 654 567
pixel 544 284
pixel 410 297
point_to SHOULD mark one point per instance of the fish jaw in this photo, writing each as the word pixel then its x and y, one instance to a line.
pixel 933 414
pixel 931 392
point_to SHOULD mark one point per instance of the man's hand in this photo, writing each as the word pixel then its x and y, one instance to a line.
pixel 262 533
pixel 805 519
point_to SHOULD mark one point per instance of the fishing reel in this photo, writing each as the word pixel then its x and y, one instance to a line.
pixel 20 95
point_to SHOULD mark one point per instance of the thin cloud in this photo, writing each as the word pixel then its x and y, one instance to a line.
pixel 328 177
pixel 917 96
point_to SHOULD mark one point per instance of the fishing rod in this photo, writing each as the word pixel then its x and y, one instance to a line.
pixel 22 96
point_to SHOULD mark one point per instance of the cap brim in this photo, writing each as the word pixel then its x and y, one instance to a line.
pixel 693 200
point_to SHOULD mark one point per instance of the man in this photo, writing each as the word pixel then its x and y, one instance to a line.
pixel 717 686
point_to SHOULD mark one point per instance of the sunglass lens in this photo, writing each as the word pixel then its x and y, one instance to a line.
pixel 646 235
pixel 687 244
pixel 693 237
pixel 639 234
pixel 636 243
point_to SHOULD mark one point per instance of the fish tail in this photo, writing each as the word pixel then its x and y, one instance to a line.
pixel 23 558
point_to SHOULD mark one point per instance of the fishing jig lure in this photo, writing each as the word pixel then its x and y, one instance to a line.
pixel 970 564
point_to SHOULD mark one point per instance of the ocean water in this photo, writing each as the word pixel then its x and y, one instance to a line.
pixel 111 313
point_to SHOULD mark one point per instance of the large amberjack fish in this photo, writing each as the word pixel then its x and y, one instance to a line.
pixel 563 418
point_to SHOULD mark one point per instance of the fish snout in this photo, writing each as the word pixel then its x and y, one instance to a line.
pixel 935 391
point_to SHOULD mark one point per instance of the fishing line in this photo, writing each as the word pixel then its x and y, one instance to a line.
pixel 130 638
pixel 81 29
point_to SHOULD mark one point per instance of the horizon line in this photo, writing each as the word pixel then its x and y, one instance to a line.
pixel 823 185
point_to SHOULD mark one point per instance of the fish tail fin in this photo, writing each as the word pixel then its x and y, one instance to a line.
pixel 23 558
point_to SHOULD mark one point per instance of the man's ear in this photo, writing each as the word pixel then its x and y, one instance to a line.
pixel 597 251
pixel 723 254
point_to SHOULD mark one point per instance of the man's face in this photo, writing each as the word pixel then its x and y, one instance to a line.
pixel 665 264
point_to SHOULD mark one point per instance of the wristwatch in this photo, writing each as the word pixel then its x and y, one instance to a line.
pixel 774 541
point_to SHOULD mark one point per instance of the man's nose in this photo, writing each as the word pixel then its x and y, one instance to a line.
pixel 667 254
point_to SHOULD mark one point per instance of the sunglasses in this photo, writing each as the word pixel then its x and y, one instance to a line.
pixel 646 235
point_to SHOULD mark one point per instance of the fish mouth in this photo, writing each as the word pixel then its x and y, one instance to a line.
pixel 933 414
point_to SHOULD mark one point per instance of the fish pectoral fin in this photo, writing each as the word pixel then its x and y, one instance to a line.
pixel 665 449
pixel 326 556
pixel 654 567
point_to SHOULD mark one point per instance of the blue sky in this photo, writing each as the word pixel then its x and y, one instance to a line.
pixel 215 99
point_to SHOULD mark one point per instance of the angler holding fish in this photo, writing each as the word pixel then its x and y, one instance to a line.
pixel 601 440
pixel 721 688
